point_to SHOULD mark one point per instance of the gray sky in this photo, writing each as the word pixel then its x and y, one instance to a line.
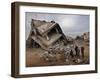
pixel 71 24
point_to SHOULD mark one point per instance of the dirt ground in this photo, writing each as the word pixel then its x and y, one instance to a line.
pixel 33 57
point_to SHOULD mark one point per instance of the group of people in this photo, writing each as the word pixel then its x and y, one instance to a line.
pixel 79 52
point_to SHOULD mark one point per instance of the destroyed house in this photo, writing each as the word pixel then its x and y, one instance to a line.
pixel 44 34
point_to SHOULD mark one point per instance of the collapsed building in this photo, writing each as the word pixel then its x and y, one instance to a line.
pixel 45 34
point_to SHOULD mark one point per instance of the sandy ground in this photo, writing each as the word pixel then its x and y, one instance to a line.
pixel 33 57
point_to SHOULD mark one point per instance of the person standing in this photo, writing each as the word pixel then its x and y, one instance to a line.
pixel 71 54
pixel 77 51
pixel 82 51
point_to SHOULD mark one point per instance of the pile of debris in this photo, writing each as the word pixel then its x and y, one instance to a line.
pixel 69 54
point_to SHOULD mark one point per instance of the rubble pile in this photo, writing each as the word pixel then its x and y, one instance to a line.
pixel 59 52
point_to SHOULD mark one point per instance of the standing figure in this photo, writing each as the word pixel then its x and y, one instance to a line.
pixel 77 51
pixel 71 54
pixel 82 51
